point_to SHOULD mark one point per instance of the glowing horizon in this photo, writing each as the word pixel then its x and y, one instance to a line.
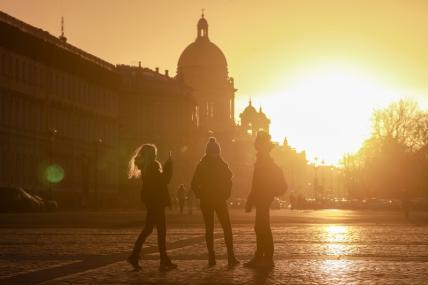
pixel 326 109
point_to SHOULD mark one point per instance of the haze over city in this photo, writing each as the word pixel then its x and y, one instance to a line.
pixel 323 64
pixel 213 142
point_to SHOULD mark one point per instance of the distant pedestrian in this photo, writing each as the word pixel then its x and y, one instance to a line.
pixel 154 194
pixel 268 182
pixel 181 196
pixel 212 184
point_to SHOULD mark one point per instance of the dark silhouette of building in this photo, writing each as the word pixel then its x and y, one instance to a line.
pixel 156 108
pixel 253 121
pixel 58 104
pixel 203 67
pixel 61 105
pixel 295 165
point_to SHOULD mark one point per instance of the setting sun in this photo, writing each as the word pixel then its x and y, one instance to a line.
pixel 325 109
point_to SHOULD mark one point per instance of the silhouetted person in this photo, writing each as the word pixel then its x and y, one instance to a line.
pixel 155 196
pixel 181 196
pixel 212 184
pixel 268 182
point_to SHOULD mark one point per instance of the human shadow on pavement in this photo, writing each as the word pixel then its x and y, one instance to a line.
pixel 260 275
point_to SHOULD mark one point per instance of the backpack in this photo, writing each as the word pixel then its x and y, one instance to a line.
pixel 278 183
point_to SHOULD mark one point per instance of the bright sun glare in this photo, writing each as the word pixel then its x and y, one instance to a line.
pixel 326 110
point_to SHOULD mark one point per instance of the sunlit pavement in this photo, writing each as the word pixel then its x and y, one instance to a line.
pixel 306 253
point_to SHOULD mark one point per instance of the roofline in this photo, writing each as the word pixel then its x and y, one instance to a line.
pixel 46 36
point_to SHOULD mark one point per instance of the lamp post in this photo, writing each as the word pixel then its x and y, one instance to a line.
pixel 52 133
pixel 98 143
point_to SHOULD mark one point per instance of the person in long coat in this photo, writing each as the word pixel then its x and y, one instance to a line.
pixel 211 183
pixel 155 196
pixel 268 182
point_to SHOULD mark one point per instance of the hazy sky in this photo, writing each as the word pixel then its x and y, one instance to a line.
pixel 268 44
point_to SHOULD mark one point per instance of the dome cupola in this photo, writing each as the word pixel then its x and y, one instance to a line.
pixel 202 27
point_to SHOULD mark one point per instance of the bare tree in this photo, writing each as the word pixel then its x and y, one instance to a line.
pixel 398 122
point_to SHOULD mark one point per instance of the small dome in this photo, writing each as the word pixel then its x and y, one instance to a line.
pixel 249 111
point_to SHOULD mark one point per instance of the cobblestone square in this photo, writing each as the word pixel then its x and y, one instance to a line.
pixel 305 253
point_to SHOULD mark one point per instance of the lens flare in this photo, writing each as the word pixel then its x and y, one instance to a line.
pixel 54 173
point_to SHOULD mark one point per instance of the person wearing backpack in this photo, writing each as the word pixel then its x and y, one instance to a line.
pixel 212 183
pixel 268 182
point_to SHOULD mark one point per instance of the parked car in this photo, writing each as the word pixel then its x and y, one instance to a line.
pixel 15 199
pixel 48 205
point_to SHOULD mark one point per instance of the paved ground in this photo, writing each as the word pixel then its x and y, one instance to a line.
pixel 322 250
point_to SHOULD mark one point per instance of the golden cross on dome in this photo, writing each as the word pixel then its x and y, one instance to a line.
pixel 203 11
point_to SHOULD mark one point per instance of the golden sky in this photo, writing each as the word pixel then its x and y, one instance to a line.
pixel 277 51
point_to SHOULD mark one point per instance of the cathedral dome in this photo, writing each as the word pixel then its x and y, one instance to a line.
pixel 202 52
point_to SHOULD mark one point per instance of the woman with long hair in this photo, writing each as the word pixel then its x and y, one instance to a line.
pixel 155 196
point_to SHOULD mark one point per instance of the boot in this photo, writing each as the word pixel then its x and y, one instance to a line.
pixel 231 259
pixel 256 261
pixel 166 264
pixel 211 259
pixel 133 260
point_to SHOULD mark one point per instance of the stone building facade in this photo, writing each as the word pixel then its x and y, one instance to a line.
pixel 156 108
pixel 58 105
pixel 61 106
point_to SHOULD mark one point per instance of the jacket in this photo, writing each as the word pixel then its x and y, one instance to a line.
pixel 212 180
pixel 268 182
pixel 154 192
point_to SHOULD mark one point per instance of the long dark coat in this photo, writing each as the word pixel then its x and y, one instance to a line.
pixel 268 182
